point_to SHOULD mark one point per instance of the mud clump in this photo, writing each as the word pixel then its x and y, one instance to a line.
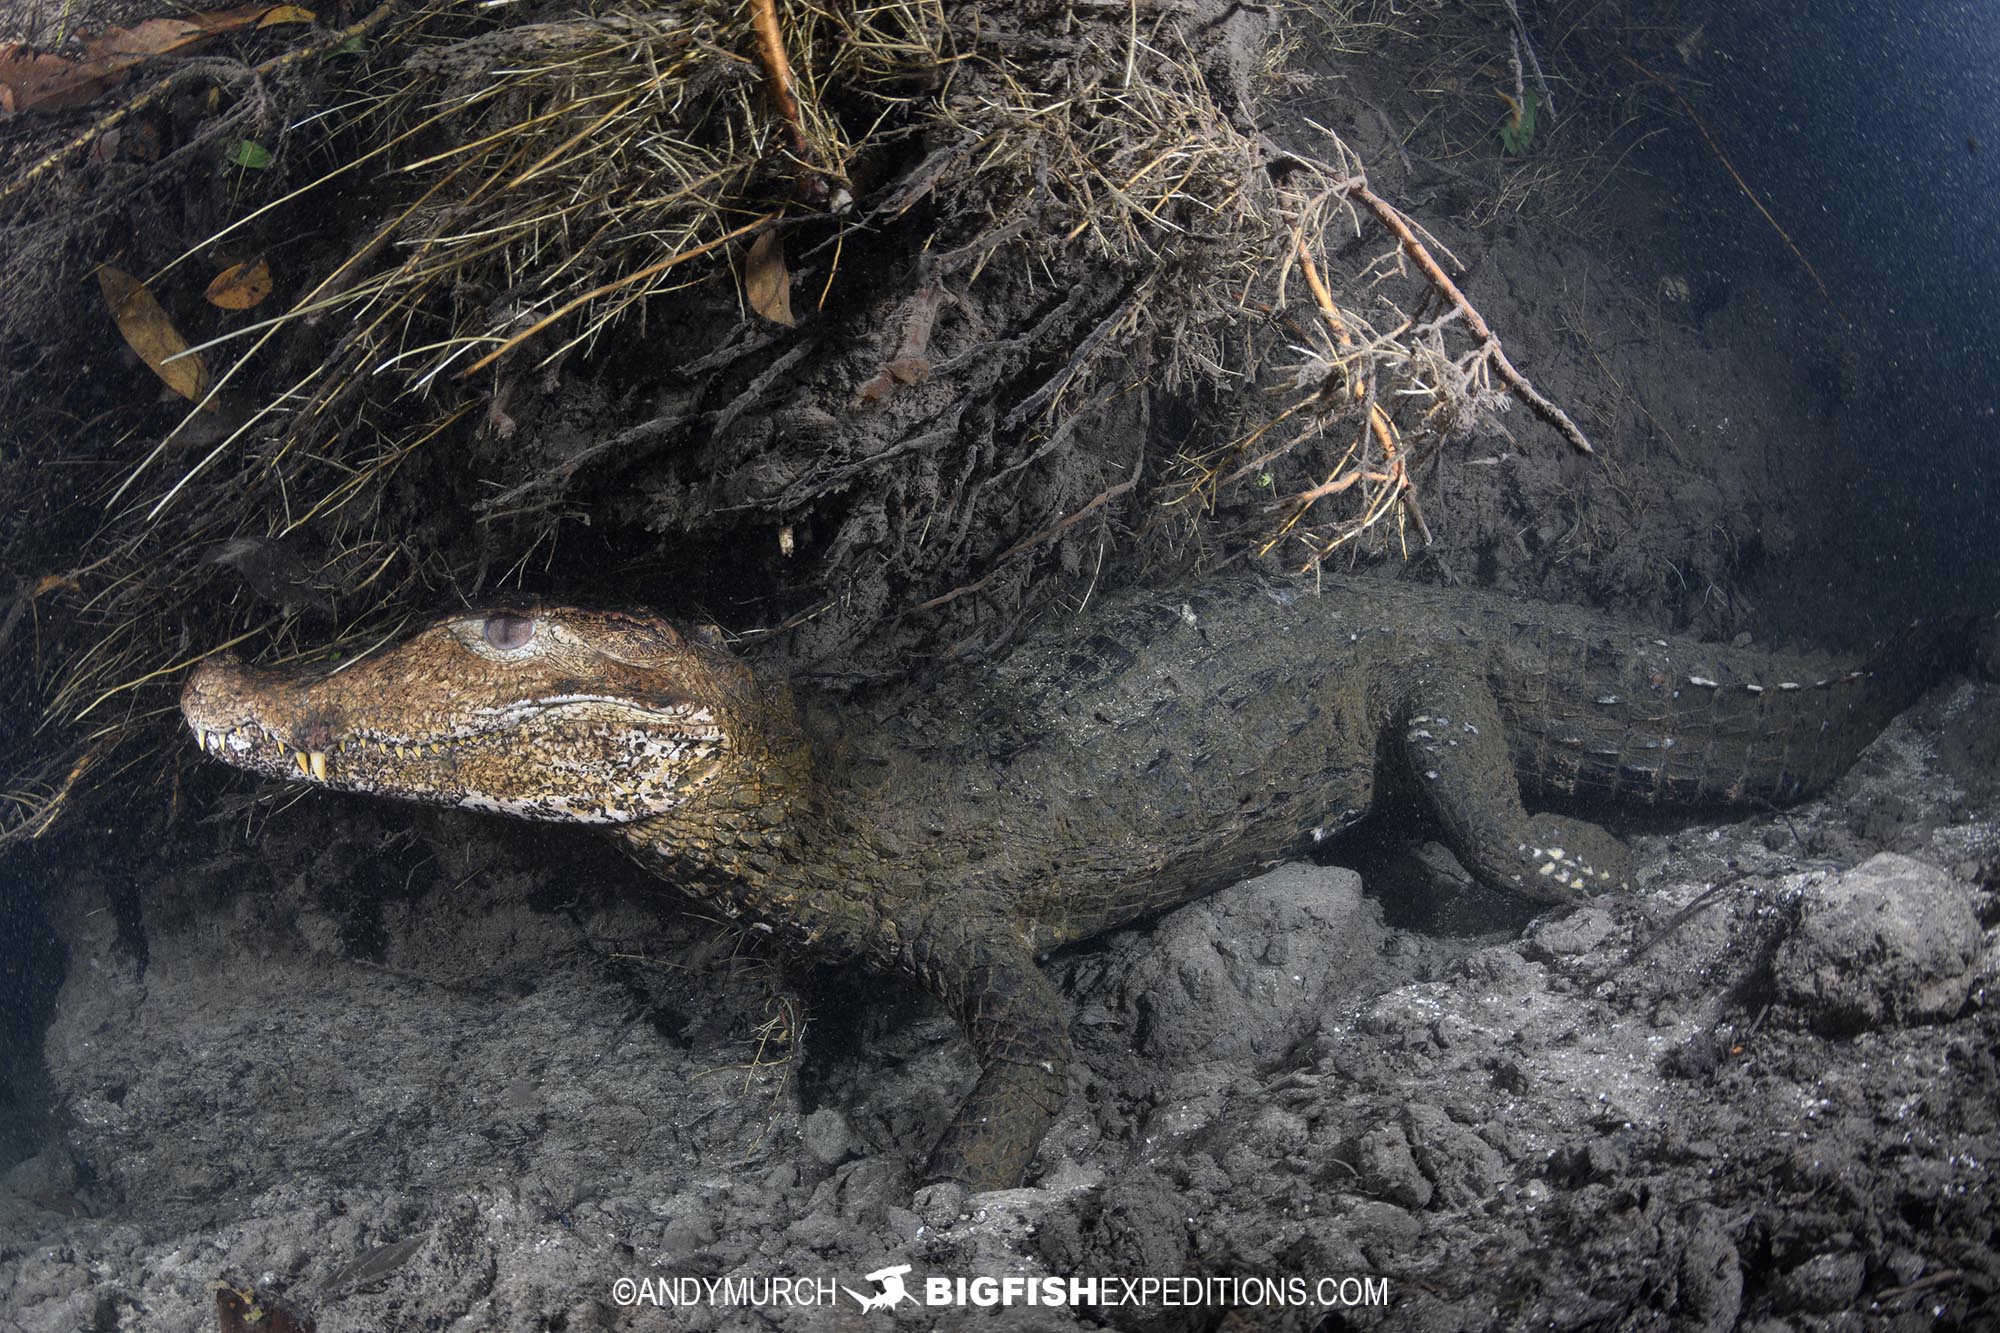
pixel 1891 941
pixel 1247 978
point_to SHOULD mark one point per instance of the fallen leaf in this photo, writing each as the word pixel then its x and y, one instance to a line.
pixel 145 325
pixel 241 286
pixel 767 282
pixel 895 374
pixel 242 1310
pixel 32 80
pixel 154 37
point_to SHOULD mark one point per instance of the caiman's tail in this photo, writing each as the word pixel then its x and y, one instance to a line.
pixel 1683 723
pixel 1897 672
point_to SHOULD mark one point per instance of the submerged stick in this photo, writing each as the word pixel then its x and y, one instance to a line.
pixel 1702 129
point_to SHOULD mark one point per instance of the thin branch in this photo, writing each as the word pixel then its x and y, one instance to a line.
pixel 1743 185
pixel 1493 353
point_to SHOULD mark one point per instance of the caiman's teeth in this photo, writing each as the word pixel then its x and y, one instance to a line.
pixel 305 767
pixel 318 764
pixel 400 752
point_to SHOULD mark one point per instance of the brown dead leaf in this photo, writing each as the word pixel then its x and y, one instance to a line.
pixel 32 80
pixel 154 37
pixel 145 325
pixel 895 374
pixel 240 286
pixel 767 282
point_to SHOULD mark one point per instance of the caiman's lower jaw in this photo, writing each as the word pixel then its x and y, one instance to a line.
pixel 571 760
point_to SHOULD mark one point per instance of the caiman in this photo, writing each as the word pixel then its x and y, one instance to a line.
pixel 1111 767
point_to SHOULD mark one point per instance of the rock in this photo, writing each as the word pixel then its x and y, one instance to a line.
pixel 828 1137
pixel 1385 1225
pixel 1463 1168
pixel 1711 1275
pixel 1578 933
pixel 1891 941
pixel 1247 971
pixel 1389 1170
pixel 1822 1284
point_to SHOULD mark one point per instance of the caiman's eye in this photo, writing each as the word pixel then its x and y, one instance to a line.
pixel 507 631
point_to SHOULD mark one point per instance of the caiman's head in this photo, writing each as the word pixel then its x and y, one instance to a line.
pixel 597 717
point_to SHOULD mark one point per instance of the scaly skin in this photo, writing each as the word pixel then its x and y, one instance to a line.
pixel 1151 753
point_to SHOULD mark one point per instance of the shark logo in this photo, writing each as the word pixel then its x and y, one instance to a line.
pixel 890 1280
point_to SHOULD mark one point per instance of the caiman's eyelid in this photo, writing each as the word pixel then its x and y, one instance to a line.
pixel 507 631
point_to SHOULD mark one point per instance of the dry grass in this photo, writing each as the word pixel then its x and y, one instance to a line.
pixel 542 195
pixel 544 186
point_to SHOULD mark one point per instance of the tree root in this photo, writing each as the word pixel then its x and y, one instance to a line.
pixel 1490 350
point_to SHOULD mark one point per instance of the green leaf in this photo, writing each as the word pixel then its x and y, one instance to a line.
pixel 1517 135
pixel 353 46
pixel 249 154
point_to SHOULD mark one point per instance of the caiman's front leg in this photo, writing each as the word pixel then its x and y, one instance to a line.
pixel 1452 739
pixel 1014 1019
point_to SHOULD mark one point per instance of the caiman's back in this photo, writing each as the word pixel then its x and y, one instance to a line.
pixel 1601 711
pixel 1159 745
pixel 1140 755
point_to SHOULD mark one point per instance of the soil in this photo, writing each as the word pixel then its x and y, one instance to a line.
pixel 395 1068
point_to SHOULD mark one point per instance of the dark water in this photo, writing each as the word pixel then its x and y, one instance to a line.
pixel 1873 133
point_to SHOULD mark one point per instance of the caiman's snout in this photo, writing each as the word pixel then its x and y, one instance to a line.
pixel 207 686
pixel 232 711
pixel 212 701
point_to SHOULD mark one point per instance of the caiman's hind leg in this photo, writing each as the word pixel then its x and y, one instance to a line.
pixel 1451 736
pixel 1014 1019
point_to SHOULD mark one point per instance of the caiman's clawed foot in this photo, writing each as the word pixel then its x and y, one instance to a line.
pixel 1014 1019
pixel 1566 858
pixel 1455 747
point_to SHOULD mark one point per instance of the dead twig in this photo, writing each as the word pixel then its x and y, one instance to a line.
pixel 1379 424
pixel 1490 350
pixel 41 811
pixel 1742 185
